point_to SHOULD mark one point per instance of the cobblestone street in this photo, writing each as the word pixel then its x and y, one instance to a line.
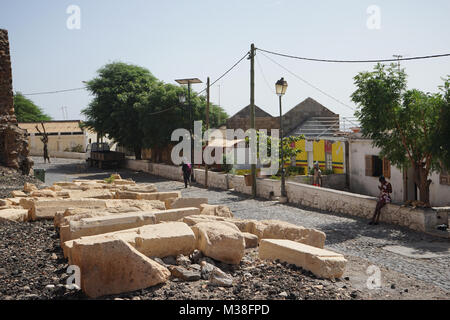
pixel 348 235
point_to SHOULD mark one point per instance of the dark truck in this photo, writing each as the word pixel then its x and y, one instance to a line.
pixel 102 157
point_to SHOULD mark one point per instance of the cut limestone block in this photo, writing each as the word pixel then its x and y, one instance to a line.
pixel 3 203
pixel 44 193
pixel 147 196
pixel 275 229
pixel 19 215
pixel 175 214
pixel 188 202
pixel 18 194
pixel 47 209
pixel 55 188
pixel 29 187
pixel 63 217
pixel 109 223
pixel 141 188
pixel 123 182
pixel 113 266
pixel 222 241
pixel 323 263
pixel 251 240
pixel 243 225
pixel 158 240
pixel 91 193
pixel 216 210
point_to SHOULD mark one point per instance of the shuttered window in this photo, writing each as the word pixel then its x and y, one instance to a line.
pixel 369 167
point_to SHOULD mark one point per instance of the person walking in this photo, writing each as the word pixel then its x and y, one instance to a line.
pixel 317 175
pixel 383 198
pixel 186 167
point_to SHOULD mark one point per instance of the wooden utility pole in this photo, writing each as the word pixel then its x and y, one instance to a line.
pixel 207 127
pixel 252 110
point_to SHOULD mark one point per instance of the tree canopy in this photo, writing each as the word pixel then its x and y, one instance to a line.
pixel 27 111
pixel 138 111
pixel 410 127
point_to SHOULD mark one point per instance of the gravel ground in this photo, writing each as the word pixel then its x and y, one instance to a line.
pixel 11 180
pixel 402 277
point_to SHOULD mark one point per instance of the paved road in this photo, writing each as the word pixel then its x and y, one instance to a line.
pixel 345 234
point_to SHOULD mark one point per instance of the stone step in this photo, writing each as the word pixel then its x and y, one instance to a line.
pixel 322 263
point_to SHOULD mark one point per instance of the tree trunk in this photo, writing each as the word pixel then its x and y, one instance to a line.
pixel 423 183
pixel 138 153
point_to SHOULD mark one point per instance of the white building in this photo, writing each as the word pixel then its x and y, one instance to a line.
pixel 365 167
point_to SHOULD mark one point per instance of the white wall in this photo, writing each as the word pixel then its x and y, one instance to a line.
pixel 359 182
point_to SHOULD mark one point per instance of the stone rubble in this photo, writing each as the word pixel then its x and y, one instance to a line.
pixel 126 236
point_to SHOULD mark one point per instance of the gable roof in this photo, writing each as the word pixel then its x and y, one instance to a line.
pixel 53 126
pixel 245 113
pixel 312 106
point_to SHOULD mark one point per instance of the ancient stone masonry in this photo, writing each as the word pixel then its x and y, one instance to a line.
pixel 14 149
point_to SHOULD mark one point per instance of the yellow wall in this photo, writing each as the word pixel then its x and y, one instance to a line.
pixel 338 150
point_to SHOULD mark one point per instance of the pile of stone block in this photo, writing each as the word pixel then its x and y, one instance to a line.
pixel 117 233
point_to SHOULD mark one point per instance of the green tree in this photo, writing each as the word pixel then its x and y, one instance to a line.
pixel 27 111
pixel 120 91
pixel 407 125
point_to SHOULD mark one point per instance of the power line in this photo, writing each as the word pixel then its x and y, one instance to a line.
pixel 309 84
pixel 264 77
pixel 52 92
pixel 355 61
pixel 226 72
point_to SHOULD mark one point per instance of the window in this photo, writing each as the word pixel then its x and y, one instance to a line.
pixel 444 178
pixel 376 166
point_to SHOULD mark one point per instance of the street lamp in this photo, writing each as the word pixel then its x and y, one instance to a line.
pixel 189 82
pixel 280 88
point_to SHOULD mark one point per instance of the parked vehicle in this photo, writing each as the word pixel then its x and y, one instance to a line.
pixel 101 156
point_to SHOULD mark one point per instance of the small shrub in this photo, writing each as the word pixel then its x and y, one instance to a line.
pixel 110 179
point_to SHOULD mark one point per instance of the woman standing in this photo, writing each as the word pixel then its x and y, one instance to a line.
pixel 383 198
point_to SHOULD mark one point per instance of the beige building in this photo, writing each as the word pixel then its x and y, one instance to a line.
pixel 64 136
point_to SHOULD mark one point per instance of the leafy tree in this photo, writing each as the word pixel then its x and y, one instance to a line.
pixel 27 111
pixel 407 125
pixel 119 92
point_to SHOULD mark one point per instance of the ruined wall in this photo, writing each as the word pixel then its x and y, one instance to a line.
pixel 13 142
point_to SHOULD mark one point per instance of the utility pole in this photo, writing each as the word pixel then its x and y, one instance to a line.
pixel 207 127
pixel 252 110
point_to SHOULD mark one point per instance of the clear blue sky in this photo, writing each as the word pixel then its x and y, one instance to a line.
pixel 200 38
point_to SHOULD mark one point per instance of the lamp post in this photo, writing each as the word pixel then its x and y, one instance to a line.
pixel 280 87
pixel 191 130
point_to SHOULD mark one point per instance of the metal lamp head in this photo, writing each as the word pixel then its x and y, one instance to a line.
pixel 281 87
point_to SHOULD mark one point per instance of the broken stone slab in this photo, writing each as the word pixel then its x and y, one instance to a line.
pixel 91 193
pixel 216 210
pixel 188 202
pixel 112 207
pixel 29 187
pixel 175 214
pixel 3 203
pixel 44 193
pixel 47 209
pixel 105 224
pixel 113 266
pixel 147 196
pixel 323 263
pixel 159 240
pixel 276 229
pixel 18 215
pixel 251 240
pixel 123 182
pixel 222 241
pixel 141 188
pixel 18 194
